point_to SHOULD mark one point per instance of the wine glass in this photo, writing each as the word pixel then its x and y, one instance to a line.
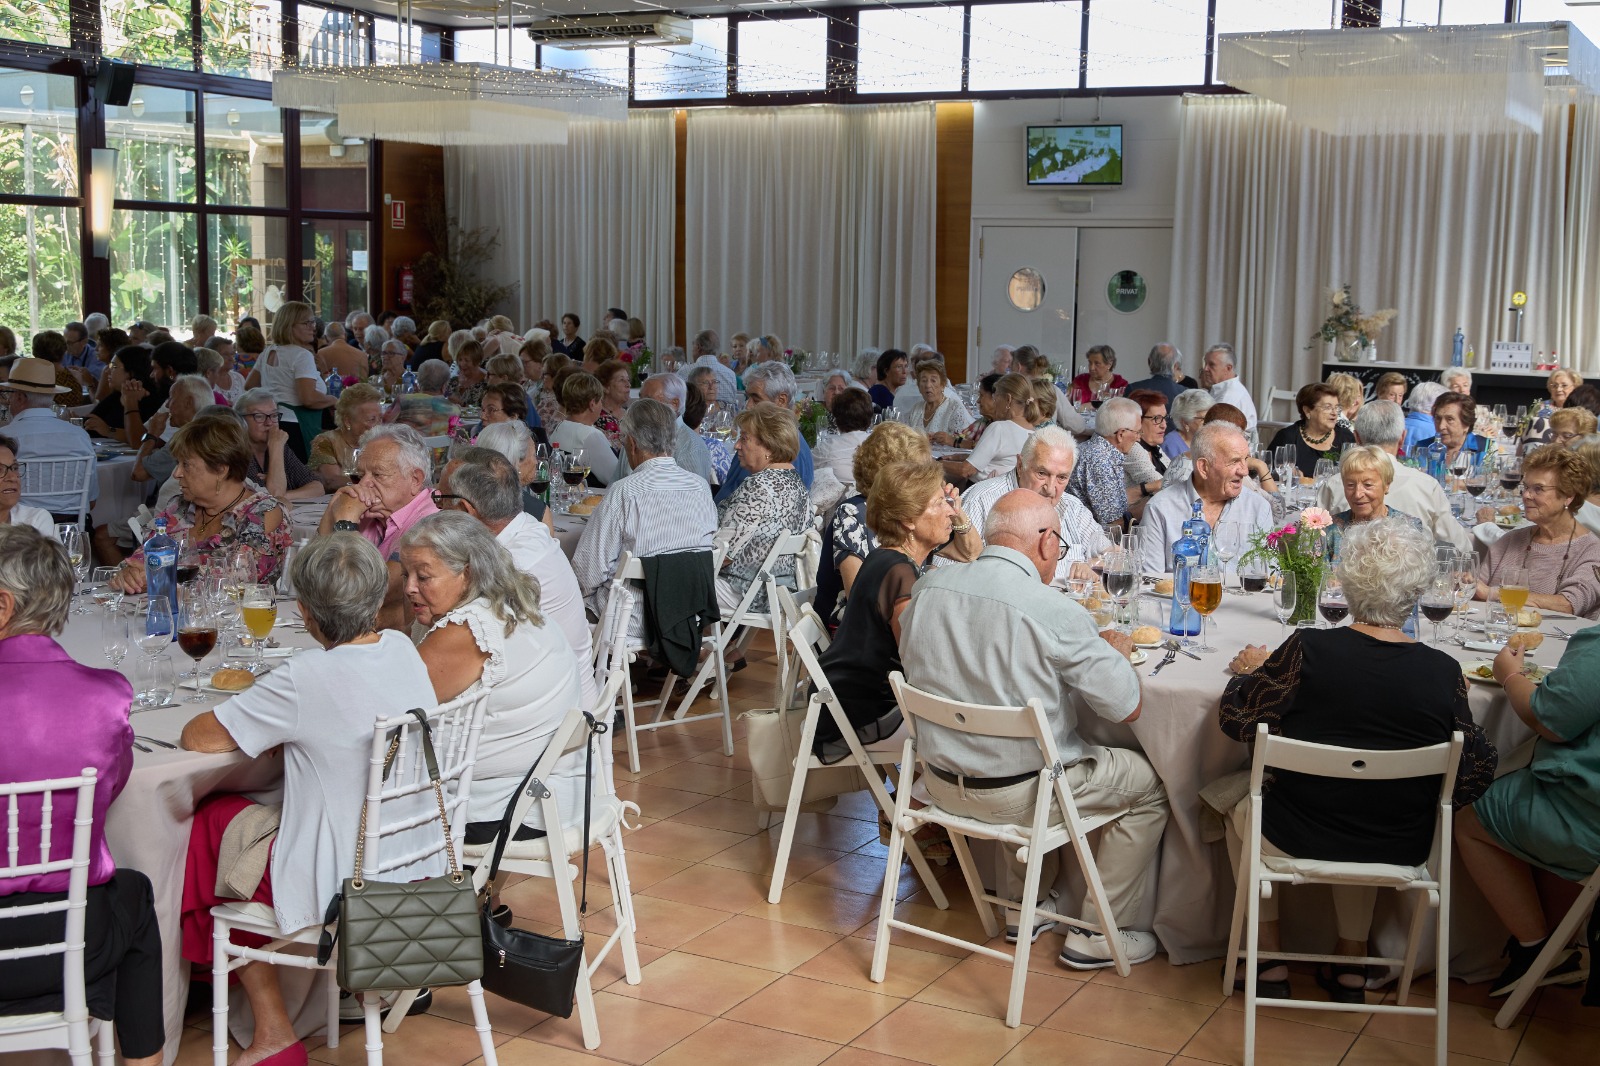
pixel 197 634
pixel 156 633
pixel 70 537
pixel 1285 598
pixel 1283 465
pixel 1438 602
pixel 1205 594
pixel 1121 578
pixel 100 589
pixel 1331 603
pixel 1252 575
pixel 1324 470
pixel 260 612
pixel 116 635
pixel 351 472
pixel 1228 540
pixel 1510 474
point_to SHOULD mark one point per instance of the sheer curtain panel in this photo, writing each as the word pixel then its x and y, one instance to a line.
pixel 583 226
pixel 812 223
pixel 1443 228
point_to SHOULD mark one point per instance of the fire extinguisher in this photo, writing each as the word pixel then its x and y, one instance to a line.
pixel 405 286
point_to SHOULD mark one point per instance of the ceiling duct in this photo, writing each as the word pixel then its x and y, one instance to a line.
pixel 612 31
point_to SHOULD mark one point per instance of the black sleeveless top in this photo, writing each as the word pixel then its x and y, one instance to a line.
pixel 864 651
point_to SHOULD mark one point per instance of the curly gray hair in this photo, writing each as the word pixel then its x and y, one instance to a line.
pixel 1385 566
pixel 776 380
pixel 465 546
pixel 1189 406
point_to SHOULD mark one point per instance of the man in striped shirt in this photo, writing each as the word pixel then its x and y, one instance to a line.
pixel 657 509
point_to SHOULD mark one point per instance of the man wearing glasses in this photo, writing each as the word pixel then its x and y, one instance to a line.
pixel 1099 481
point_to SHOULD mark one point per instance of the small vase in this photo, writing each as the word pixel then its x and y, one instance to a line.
pixel 1306 588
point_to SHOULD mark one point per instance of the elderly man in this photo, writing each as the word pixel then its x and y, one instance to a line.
pixel 396 468
pixel 484 484
pixel 703 352
pixel 1021 640
pixel 81 357
pixel 1099 481
pixel 1002 359
pixel 356 321
pixel 689 450
pixel 1218 375
pixel 1044 466
pixel 769 382
pixel 1166 373
pixel 1221 461
pixel 30 393
pixel 658 509
pixel 1382 423
pixel 201 329
pixel 339 354
pixel 273 465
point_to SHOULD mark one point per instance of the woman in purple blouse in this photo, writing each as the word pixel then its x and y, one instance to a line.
pixel 57 717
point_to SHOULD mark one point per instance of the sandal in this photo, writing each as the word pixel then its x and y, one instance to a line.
pixel 1266 989
pixel 1338 991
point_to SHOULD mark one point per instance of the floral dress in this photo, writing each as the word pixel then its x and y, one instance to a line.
pixel 765 506
pixel 468 395
pixel 551 413
pixel 609 425
pixel 243 523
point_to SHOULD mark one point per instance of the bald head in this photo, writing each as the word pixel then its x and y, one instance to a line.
pixel 1027 522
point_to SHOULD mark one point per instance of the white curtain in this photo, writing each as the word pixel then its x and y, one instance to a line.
pixel 1577 280
pixel 1270 216
pixel 583 226
pixel 812 223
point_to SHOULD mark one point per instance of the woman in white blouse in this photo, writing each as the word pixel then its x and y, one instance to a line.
pixel 12 510
pixel 1016 414
pixel 478 623
pixel 288 370
pixel 582 397
pixel 936 414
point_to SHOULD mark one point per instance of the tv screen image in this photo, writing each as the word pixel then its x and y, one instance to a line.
pixel 1074 155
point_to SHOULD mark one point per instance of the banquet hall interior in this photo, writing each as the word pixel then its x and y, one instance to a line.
pixel 753 396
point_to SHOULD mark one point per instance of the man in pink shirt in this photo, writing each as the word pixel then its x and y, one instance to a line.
pixel 393 490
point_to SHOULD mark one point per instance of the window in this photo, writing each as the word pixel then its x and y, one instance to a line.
pixel 698 70
pixel 155 257
pixel 42 263
pixel 333 168
pixel 1025 46
pixel 333 38
pixel 249 274
pixel 241 38
pixel 154 137
pixel 1443 12
pixel 1147 42
pixel 388 36
pixel 1271 16
pixel 335 279
pixel 1586 19
pixel 38 135
pixel 155 32
pixel 486 46
pixel 608 65
pixel 244 152
pixel 39 21
pixel 912 49
pixel 783 55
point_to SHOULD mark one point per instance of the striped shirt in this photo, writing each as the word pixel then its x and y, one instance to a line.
pixel 1086 539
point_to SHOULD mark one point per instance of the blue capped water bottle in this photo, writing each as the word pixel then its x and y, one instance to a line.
pixel 335 383
pixel 1457 348
pixel 408 382
pixel 1437 455
pixel 1187 553
pixel 161 576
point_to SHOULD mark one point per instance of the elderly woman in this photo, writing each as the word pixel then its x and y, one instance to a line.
pixel 217 369
pixel 479 626
pixel 372 340
pixel 532 354
pixel 391 375
pixel 616 379
pixel 272 465
pixel 1351 395
pixel 985 391
pixel 1016 414
pixel 1184 419
pixel 1419 414
pixel 61 717
pixel 852 417
pixel 1557 557
pixel 1588 449
pixel 1095 383
pixel 704 378
pixel 1318 434
pixel 599 350
pixel 12 511
pixel 551 413
pixel 1454 415
pixel 1366 685
pixel 360 407
pixel 1047 398
pixel 1367 475
pixel 911 512
pixel 1145 464
pixel 470 378
pixel 218 508
pixel 504 402
pixel 512 440
pixel 1569 424
pixel 322 723
pixel 288 370
pixel 1559 386
pixel 581 396
pixel 936 414
pixel 833 386
pixel 1456 379
pixel 771 501
pixel 1391 386
pixel 1538 828
pixel 890 370
pixel 433 345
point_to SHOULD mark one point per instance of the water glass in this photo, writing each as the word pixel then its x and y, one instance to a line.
pixel 154 681
pixel 116 635
pixel 100 589
pixel 1285 597
pixel 156 629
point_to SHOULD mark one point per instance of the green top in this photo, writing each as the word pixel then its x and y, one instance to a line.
pixel 1565 704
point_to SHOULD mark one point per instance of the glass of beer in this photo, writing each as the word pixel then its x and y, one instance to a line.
pixel 260 613
pixel 1513 589
pixel 1205 594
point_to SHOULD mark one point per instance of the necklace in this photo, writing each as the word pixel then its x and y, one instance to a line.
pixel 1561 574
pixel 210 516
pixel 1315 442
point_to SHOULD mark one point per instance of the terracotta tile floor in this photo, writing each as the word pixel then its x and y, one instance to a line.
pixel 731 980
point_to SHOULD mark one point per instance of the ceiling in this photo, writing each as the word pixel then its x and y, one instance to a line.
pixel 464 14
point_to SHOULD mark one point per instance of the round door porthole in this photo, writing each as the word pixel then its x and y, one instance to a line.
pixel 1025 290
pixel 1126 291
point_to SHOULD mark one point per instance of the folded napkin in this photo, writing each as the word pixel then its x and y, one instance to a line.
pixel 1483 645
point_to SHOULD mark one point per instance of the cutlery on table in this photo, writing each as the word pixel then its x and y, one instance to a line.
pixel 142 747
pixel 1167 660
pixel 157 742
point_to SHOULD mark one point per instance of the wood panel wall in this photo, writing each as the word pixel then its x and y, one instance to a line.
pixel 409 172
pixel 952 239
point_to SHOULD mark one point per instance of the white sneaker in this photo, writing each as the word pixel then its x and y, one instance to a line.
pixel 1041 924
pixel 1083 951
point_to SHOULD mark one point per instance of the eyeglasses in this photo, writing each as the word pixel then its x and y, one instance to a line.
pixel 440 497
pixel 262 418
pixel 15 468
pixel 1159 420
pixel 1066 546
pixel 1328 409
pixel 1562 438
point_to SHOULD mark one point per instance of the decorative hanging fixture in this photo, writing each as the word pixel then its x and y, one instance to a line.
pixel 1414 80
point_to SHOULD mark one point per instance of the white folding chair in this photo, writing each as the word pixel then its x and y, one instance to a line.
pixel 71 1027
pixel 1284 396
pixel 1258 875
pixel 533 857
pixel 58 475
pixel 808 636
pixel 413 835
pixel 1554 948
pixel 1032 841
pixel 616 649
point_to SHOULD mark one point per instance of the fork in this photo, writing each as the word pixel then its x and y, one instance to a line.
pixel 1562 633
pixel 1167 660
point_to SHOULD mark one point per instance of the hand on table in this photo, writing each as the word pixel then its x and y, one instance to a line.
pixel 130 579
pixel 1508 662
pixel 1120 641
pixel 940 438
pixel 97 425
pixel 1249 659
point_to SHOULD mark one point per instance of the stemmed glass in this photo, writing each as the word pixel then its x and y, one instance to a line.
pixel 1205 594
pixel 1331 603
pixel 100 589
pixel 1324 470
pixel 1227 539
pixel 1439 601
pixel 1510 474
pixel 574 470
pixel 197 634
pixel 116 635
pixel 1287 472
pixel 1285 598
pixel 71 538
pixel 1121 578
pixel 1513 590
pixel 152 637
pixel 1466 580
pixel 351 472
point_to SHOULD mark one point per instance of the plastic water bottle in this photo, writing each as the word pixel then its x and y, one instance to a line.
pixel 335 383
pixel 408 382
pixel 1437 454
pixel 1187 554
pixel 1458 348
pixel 161 571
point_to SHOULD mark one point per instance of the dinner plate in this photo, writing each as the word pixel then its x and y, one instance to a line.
pixel 1533 672
pixel 1151 644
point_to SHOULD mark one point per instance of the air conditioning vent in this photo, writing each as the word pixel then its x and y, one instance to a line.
pixel 612 31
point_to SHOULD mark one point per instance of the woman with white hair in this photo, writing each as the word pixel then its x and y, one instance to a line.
pixel 479 626
pixel 1560 385
pixel 866 367
pixel 1419 414
pixel 1187 413
pixel 1366 685
pixel 832 384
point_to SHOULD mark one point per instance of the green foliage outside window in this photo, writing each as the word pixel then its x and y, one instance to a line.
pixel 42 269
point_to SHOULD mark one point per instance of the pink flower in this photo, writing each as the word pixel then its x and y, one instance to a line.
pixel 1315 518
pixel 626 355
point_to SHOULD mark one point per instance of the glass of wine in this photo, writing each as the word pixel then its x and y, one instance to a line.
pixel 1252 576
pixel 352 473
pixel 1121 578
pixel 70 537
pixel 1438 602
pixel 197 634
pixel 574 474
pixel 116 635
pixel 1331 603
pixel 1510 474
pixel 541 477
pixel 1205 595
pixel 260 612
pixel 1513 589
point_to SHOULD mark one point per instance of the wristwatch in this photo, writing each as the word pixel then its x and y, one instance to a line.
pixel 344 525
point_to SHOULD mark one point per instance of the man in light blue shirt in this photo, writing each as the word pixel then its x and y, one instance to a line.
pixel 689 448
pixel 30 393
pixel 769 382
pixel 703 350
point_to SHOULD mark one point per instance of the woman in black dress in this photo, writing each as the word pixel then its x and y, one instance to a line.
pixel 1318 434
pixel 912 512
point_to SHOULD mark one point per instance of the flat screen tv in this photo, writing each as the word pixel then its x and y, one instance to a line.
pixel 1075 155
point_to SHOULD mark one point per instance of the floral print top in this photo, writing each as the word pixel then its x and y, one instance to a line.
pixel 763 507
pixel 468 395
pixel 243 523
pixel 550 411
pixel 608 424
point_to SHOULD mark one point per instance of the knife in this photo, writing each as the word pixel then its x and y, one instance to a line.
pixel 1190 654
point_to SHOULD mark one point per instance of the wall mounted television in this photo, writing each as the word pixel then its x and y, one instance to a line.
pixel 1075 155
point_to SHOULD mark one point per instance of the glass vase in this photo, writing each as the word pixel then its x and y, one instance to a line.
pixel 1307 583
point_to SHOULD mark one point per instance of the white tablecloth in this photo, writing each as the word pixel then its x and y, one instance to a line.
pixel 120 495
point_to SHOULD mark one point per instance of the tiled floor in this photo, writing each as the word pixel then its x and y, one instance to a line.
pixel 732 981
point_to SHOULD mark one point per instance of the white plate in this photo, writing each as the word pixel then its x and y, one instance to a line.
pixel 1138 658
pixel 1151 644
pixel 1468 670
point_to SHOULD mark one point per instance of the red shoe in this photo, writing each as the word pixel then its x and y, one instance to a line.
pixel 293 1055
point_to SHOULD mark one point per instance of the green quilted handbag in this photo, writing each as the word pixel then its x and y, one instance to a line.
pixel 417 934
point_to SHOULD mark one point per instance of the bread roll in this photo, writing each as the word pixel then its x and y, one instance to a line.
pixel 1146 635
pixel 232 680
pixel 1527 641
pixel 1163 586
pixel 1528 617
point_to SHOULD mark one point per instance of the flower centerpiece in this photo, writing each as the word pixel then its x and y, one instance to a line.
pixel 813 418
pixel 1349 329
pixel 1299 551
pixel 639 361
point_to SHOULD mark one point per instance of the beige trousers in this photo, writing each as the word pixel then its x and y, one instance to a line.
pixel 1352 904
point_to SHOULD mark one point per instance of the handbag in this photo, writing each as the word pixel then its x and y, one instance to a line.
pixel 403 935
pixel 530 968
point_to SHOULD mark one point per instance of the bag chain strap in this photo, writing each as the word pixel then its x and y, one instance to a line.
pixel 456 876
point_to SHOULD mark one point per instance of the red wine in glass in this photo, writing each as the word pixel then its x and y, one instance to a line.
pixel 187 572
pixel 197 643
pixel 540 487
pixel 574 477
pixel 1476 488
pixel 1437 612
pixel 1253 582
pixel 1510 483
pixel 1333 612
